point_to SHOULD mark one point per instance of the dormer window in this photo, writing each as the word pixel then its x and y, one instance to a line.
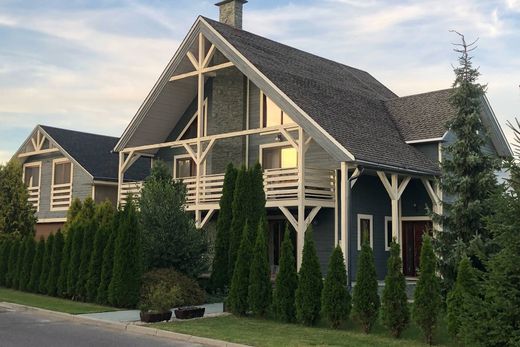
pixel 272 115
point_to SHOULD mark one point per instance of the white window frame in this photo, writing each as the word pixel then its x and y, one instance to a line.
pixel 61 161
pixel 273 145
pixel 359 218
pixel 387 219
pixel 175 158
pixel 39 165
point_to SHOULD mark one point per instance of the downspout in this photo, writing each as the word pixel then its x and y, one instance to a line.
pixel 361 169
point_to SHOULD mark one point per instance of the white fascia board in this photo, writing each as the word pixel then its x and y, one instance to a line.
pixel 435 139
pixel 501 137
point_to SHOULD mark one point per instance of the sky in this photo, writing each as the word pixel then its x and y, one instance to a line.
pixel 88 64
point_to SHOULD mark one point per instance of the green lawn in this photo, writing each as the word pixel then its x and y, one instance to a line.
pixel 258 332
pixel 50 303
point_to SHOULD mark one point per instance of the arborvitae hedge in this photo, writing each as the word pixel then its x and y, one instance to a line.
pixel 61 287
pixel 456 302
pixel 310 284
pixel 25 275
pixel 257 210
pixel 260 288
pixel 123 290
pixel 219 274
pixel 36 269
pixel 89 229
pixel 75 256
pixel 56 257
pixel 19 265
pixel 427 297
pixel 394 303
pixel 104 216
pixel 74 210
pixel 241 209
pixel 365 300
pixel 237 299
pixel 46 266
pixel 335 298
pixel 286 282
pixel 4 260
pixel 108 261
pixel 13 260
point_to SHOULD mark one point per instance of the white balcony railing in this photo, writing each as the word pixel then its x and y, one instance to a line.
pixel 34 196
pixel 61 196
pixel 129 189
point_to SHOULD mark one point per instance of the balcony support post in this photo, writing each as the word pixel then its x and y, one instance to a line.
pixel 344 215
pixel 300 232
pixel 200 122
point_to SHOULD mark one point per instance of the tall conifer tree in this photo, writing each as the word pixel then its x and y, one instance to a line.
pixel 240 282
pixel 89 230
pixel 56 257
pixel 36 269
pixel 12 261
pixel 260 288
pixel 25 275
pixel 4 261
pixel 46 264
pixel 75 256
pixel 257 210
pixel 61 287
pixel 19 264
pixel 335 298
pixel 108 261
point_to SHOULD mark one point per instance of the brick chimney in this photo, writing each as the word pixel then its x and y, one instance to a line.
pixel 231 12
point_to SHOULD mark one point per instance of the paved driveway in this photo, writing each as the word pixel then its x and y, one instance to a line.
pixel 30 328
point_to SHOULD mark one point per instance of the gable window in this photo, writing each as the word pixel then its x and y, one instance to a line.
pixel 365 230
pixel 271 114
pixel 184 167
pixel 31 178
pixel 388 233
pixel 61 190
pixel 279 157
pixel 62 173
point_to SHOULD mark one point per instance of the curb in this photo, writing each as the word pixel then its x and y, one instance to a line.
pixel 124 327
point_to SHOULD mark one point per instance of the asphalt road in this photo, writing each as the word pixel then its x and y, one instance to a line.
pixel 29 328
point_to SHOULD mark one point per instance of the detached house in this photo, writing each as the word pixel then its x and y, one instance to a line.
pixel 60 165
pixel 339 149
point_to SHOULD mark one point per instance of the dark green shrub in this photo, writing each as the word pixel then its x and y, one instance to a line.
pixel 365 300
pixel 160 298
pixel 56 256
pixel 124 287
pixel 19 265
pixel 238 291
pixel 12 261
pixel 4 260
pixel 257 210
pixel 394 303
pixel 108 261
pixel 219 273
pixel 310 284
pixel 25 275
pixel 427 298
pixel 36 269
pixel 335 298
pixel 46 264
pixel 61 287
pixel 286 283
pixel 190 292
pixel 75 256
pixel 464 285
pixel 260 288
pixel 90 226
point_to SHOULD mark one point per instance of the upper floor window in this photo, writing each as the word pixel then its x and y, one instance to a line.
pixel 62 172
pixel 31 175
pixel 279 157
pixel 272 115
pixel 184 167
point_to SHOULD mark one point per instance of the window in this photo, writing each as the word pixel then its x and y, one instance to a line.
pixel 184 167
pixel 272 114
pixel 388 233
pixel 31 175
pixel 365 230
pixel 62 172
pixel 280 157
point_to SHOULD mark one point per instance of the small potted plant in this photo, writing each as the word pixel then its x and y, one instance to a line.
pixel 156 304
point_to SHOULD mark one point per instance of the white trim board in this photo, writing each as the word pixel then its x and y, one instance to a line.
pixel 371 218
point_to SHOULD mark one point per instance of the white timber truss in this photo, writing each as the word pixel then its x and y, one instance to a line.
pixel 38 142
pixel 435 193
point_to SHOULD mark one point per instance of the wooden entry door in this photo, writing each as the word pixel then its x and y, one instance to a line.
pixel 412 241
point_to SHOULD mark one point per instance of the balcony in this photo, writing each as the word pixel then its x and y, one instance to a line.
pixel 281 188
pixel 61 196
pixel 34 197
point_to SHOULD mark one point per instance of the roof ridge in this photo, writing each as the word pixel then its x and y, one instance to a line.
pixel 419 94
pixel 77 131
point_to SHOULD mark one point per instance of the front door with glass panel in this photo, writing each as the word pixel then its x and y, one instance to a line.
pixel 413 232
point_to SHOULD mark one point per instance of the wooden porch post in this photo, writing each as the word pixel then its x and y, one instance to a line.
pixel 395 191
pixel 344 211
pixel 200 122
pixel 300 232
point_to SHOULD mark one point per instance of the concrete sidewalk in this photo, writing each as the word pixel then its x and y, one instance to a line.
pixel 133 315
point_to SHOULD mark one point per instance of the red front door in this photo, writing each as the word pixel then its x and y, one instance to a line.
pixel 412 241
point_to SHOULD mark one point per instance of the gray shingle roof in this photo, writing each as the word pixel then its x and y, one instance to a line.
pixel 346 102
pixel 422 116
pixel 94 153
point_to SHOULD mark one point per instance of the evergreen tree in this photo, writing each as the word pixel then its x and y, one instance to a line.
pixel 335 298
pixel 427 299
pixel 46 265
pixel 75 256
pixel 73 211
pixel 108 261
pixel 219 273
pixel 105 218
pixel 455 302
pixel 123 290
pixel 310 284
pixel 25 275
pixel 365 300
pixel 257 210
pixel 4 260
pixel 239 283
pixel 241 209
pixel 36 268
pixel 260 288
pixel 12 261
pixel 19 264
pixel 56 260
pixel 17 215
pixel 61 287
pixel 90 226
pixel 394 303
pixel 286 282
pixel 468 174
